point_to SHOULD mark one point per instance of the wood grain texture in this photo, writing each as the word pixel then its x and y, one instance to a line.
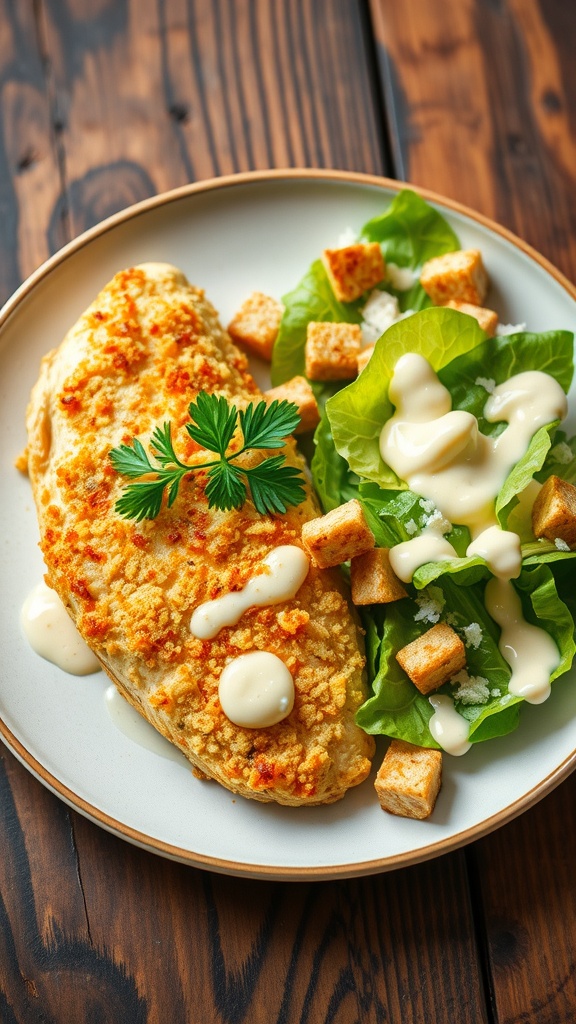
pixel 29 173
pixel 528 885
pixel 152 95
pixel 482 98
pixel 94 929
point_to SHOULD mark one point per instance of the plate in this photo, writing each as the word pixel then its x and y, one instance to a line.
pixel 232 236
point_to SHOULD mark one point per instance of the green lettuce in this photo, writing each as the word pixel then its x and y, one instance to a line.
pixel 410 232
pixel 457 348
pixel 346 464
pixel 399 710
pixel 311 299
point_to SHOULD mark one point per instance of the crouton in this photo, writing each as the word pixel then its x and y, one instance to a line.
pixel 353 269
pixel 487 318
pixel 373 579
pixel 554 511
pixel 298 391
pixel 332 351
pixel 256 324
pixel 431 659
pixel 455 275
pixel 409 779
pixel 364 357
pixel 341 534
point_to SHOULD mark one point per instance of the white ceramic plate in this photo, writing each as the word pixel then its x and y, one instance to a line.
pixel 233 236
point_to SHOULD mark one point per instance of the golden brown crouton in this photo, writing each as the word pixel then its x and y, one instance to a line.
pixel 298 391
pixel 364 357
pixel 341 534
pixel 409 779
pixel 455 275
pixel 353 269
pixel 431 659
pixel 487 318
pixel 373 578
pixel 332 351
pixel 554 511
pixel 256 324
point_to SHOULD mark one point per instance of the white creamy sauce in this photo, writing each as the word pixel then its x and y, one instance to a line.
pixel 447 727
pixel 52 634
pixel 530 651
pixel 430 546
pixel 286 569
pixel 443 456
pixel 256 690
pixel 137 729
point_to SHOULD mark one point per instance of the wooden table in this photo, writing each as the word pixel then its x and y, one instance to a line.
pixel 106 102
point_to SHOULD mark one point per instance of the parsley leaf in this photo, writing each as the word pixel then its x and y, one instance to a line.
pixel 272 485
pixel 215 422
pixel 266 426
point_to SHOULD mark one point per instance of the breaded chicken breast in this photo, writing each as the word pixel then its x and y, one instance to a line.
pixel 137 358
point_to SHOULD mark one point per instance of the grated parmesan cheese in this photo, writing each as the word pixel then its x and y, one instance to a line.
pixel 562 453
pixel 561 544
pixel 487 383
pixel 378 314
pixel 472 635
pixel 471 689
pixel 503 330
pixel 430 603
pixel 401 278
pixel 411 528
pixel 346 237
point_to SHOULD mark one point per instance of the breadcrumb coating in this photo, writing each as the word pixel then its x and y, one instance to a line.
pixel 136 358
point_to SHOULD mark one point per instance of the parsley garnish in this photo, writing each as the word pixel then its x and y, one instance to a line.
pixel 272 485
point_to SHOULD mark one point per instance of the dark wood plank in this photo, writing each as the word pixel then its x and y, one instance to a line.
pixel 29 173
pixel 151 95
pixel 526 874
pixel 160 942
pixel 484 101
pixel 483 98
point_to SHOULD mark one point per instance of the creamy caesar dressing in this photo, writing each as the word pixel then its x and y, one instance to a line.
pixel 256 690
pixel 530 652
pixel 52 634
pixel 448 728
pixel 129 722
pixel 430 546
pixel 286 569
pixel 443 456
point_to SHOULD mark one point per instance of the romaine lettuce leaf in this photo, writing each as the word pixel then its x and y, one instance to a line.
pixel 410 232
pixel 458 350
pixel 311 299
pixel 561 459
pixel 333 480
pixel 358 412
pixel 397 708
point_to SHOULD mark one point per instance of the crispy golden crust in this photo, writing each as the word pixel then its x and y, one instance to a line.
pixel 136 358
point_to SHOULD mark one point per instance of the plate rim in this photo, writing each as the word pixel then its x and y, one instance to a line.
pixel 181 854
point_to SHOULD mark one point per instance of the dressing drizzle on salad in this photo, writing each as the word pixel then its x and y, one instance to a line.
pixel 443 456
